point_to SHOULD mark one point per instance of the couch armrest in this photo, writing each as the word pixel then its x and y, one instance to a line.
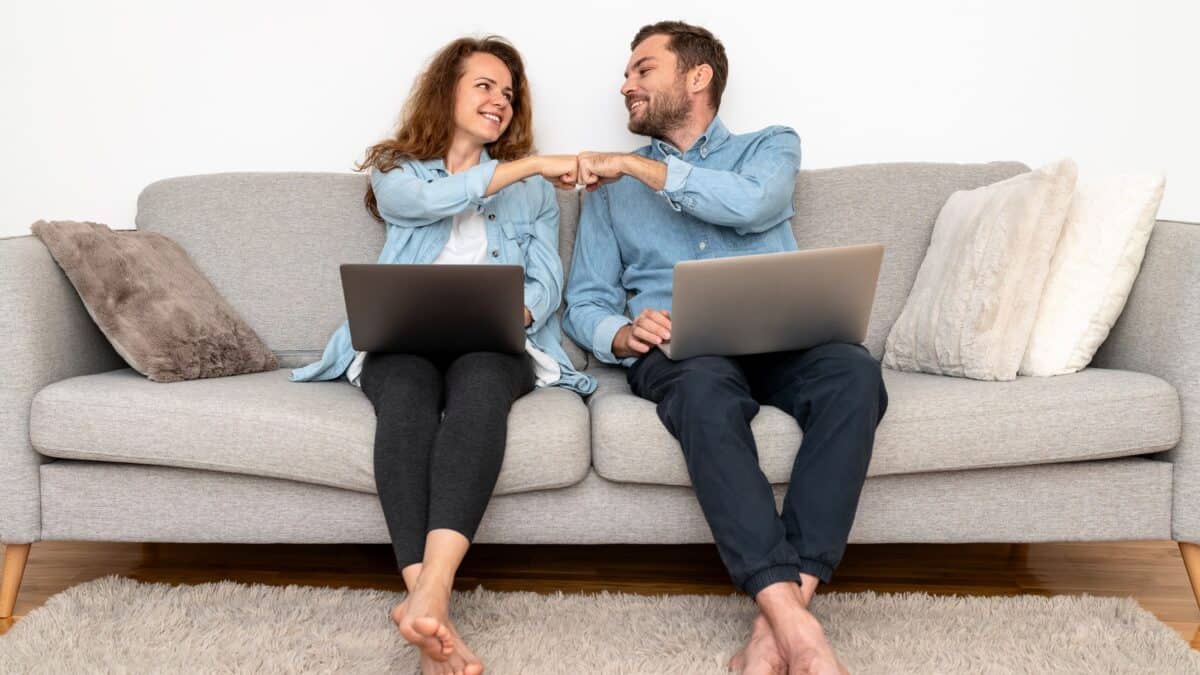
pixel 46 335
pixel 1159 333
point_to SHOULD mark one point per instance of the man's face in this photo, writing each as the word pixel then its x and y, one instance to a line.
pixel 654 90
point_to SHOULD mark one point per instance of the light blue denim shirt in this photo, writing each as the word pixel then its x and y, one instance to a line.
pixel 418 201
pixel 726 195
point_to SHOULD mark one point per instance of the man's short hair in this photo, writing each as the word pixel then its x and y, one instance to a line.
pixel 692 46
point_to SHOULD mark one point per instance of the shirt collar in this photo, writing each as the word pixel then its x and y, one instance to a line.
pixel 439 163
pixel 713 137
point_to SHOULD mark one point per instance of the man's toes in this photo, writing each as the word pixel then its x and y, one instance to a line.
pixel 473 669
pixel 738 663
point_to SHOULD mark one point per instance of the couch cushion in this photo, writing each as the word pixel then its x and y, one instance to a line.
pixel 231 224
pixel 890 204
pixel 933 423
pixel 265 425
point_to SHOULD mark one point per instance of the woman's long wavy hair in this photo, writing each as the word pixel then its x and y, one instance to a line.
pixel 426 125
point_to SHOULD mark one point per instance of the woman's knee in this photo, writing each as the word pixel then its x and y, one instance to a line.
pixel 487 370
pixel 388 375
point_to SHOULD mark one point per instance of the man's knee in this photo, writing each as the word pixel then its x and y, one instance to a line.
pixel 709 391
pixel 855 372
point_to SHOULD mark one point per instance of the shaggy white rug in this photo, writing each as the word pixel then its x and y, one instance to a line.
pixel 118 625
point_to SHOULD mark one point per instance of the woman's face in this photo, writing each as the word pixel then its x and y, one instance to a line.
pixel 483 101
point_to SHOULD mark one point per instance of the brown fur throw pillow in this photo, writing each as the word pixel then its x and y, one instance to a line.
pixel 158 311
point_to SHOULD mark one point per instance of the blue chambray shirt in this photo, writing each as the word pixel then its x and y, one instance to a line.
pixel 418 201
pixel 726 195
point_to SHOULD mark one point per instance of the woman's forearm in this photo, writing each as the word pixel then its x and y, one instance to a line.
pixel 508 173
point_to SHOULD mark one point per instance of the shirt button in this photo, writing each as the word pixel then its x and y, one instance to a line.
pixel 491 216
pixel 495 253
pixel 703 245
pixel 703 152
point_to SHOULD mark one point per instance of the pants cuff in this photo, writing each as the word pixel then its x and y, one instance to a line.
pixel 816 568
pixel 789 572
pixel 772 575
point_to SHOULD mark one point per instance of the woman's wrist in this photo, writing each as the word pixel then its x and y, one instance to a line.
pixel 530 166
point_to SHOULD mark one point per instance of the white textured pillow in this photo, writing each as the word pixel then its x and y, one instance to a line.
pixel 1093 269
pixel 973 305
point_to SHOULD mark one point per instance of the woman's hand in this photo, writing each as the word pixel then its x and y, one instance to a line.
pixel 528 317
pixel 561 170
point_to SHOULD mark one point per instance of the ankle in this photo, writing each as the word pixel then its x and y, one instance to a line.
pixel 780 596
pixel 433 580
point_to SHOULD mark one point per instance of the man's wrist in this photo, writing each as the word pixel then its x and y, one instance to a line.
pixel 648 171
pixel 618 344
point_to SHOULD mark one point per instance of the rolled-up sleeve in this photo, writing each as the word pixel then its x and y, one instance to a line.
pixel 407 200
pixel 752 198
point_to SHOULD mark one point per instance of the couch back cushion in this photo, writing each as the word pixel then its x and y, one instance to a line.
pixel 271 243
pixel 890 204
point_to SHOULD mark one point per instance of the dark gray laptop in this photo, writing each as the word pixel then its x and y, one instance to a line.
pixel 772 302
pixel 433 309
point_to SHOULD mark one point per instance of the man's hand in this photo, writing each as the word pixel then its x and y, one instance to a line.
pixel 649 329
pixel 528 317
pixel 600 168
pixel 561 170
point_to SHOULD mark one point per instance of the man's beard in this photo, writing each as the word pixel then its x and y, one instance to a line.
pixel 666 113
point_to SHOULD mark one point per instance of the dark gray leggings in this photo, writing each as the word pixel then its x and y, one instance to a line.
pixel 435 472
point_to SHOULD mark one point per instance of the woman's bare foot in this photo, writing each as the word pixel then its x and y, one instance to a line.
pixel 798 633
pixel 463 660
pixel 422 620
pixel 455 665
pixel 761 655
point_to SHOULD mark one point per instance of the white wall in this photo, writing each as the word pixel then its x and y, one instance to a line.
pixel 100 99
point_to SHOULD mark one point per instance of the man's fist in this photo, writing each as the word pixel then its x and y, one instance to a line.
pixel 600 168
pixel 651 328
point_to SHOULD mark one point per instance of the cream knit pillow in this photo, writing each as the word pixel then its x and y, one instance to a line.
pixel 972 307
pixel 1092 271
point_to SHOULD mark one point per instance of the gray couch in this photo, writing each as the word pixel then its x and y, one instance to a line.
pixel 90 450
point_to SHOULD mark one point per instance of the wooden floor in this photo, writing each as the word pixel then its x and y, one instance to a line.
pixel 1151 572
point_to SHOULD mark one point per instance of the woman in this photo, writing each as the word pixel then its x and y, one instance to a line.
pixel 456 184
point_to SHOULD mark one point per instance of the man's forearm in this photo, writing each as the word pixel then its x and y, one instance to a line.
pixel 649 171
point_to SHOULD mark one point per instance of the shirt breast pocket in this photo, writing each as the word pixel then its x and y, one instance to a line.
pixel 732 241
pixel 518 234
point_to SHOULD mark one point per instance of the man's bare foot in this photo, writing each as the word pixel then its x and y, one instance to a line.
pixel 798 633
pixel 761 655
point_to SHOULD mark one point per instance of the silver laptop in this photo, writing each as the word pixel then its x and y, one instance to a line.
pixel 772 302
pixel 435 309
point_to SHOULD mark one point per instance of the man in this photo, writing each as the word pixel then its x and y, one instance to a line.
pixel 699 192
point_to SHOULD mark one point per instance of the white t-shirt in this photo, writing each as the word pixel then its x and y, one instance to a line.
pixel 468 246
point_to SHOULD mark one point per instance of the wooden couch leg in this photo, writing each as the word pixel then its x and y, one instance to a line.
pixel 15 556
pixel 1191 560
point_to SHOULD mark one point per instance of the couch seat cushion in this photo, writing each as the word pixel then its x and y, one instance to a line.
pixel 264 425
pixel 933 423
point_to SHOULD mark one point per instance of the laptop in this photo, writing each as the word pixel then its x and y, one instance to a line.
pixel 772 302
pixel 432 309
